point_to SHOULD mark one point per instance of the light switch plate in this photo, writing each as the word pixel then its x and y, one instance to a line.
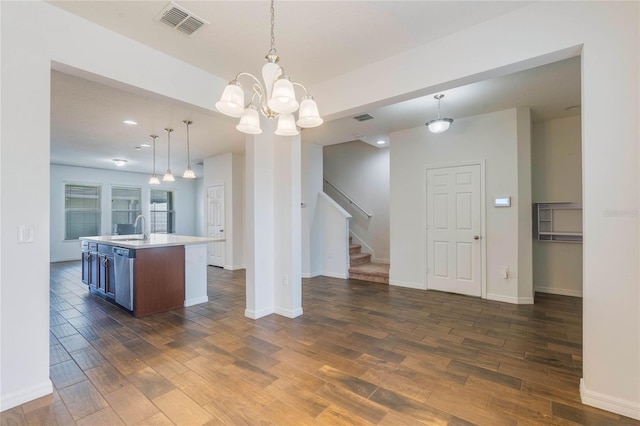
pixel 25 234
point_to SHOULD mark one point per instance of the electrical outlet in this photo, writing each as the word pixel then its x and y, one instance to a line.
pixel 505 272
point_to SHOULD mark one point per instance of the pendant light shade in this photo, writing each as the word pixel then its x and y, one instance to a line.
pixel 188 174
pixel 168 176
pixel 283 98
pixel 308 115
pixel 287 125
pixel 439 125
pixel 250 121
pixel 154 179
pixel 231 102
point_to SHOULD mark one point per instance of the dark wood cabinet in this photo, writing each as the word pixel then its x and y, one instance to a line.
pixel 90 264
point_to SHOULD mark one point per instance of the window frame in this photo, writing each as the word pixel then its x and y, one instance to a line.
pixel 129 211
pixel 97 211
pixel 170 212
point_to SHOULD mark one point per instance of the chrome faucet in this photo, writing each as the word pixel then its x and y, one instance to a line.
pixel 144 226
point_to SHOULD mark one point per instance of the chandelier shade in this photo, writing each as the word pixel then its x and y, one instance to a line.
pixel 250 122
pixel 308 115
pixel 232 101
pixel 287 125
pixel 274 96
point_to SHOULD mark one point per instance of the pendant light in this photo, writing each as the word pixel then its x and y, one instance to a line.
pixel 274 96
pixel 154 179
pixel 439 125
pixel 188 174
pixel 168 177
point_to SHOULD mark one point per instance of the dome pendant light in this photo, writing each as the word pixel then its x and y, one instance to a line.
pixel 154 179
pixel 168 177
pixel 439 125
pixel 188 174
pixel 275 97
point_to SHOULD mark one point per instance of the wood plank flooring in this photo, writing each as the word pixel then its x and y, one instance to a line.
pixel 362 353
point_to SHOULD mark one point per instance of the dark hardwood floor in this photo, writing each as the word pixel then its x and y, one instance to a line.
pixel 362 353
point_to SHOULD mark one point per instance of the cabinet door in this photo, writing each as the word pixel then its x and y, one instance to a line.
pixel 110 277
pixel 103 275
pixel 93 269
pixel 86 267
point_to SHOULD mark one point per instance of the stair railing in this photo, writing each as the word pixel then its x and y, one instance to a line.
pixel 351 200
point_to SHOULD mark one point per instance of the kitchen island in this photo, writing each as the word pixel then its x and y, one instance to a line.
pixel 147 275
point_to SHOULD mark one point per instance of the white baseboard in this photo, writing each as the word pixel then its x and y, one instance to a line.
pixel 196 301
pixel 55 260
pixel 417 286
pixel 25 395
pixel 311 274
pixel 609 403
pixel 234 267
pixel 334 275
pixel 288 312
pixel 510 299
pixel 250 313
pixel 558 291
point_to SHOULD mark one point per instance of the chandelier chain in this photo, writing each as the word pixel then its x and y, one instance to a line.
pixel 273 33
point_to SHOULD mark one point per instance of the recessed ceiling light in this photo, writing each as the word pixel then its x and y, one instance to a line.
pixel 118 162
pixel 381 142
pixel 130 122
pixel 145 145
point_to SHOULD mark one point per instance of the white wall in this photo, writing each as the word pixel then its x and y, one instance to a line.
pixel 311 231
pixel 228 170
pixel 201 197
pixel 556 155
pixel 334 222
pixel 607 35
pixel 362 172
pixel 184 192
pixel 492 138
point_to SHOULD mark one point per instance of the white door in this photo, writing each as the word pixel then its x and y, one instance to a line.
pixel 215 224
pixel 453 230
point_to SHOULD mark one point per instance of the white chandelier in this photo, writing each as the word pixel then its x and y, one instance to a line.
pixel 276 98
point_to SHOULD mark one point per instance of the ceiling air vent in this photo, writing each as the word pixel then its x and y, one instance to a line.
pixel 363 117
pixel 178 18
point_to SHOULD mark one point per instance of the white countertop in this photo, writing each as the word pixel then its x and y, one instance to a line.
pixel 154 240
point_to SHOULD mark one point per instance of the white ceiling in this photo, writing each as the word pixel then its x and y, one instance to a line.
pixel 316 40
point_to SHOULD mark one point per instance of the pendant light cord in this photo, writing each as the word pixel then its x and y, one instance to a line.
pixel 154 154
pixel 188 155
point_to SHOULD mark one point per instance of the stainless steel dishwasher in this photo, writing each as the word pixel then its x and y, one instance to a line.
pixel 124 262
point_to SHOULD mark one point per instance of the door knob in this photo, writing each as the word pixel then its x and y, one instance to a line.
pixel 476 237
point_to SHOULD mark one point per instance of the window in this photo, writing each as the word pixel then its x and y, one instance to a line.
pixel 125 207
pixel 81 211
pixel 162 213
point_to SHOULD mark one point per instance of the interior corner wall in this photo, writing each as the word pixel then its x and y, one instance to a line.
pixel 489 137
pixel 201 197
pixel 228 170
pixel 557 176
pixel 60 250
pixel 312 164
pixel 362 172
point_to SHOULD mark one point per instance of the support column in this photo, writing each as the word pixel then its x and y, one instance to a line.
pixel 273 224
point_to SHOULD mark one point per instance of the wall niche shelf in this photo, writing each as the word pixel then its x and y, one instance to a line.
pixel 559 222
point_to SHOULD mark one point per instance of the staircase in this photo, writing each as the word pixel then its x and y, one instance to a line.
pixel 361 267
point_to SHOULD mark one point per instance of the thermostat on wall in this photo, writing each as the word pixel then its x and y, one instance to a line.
pixel 502 202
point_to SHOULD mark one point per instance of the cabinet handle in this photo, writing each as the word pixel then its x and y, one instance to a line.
pixel 89 257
